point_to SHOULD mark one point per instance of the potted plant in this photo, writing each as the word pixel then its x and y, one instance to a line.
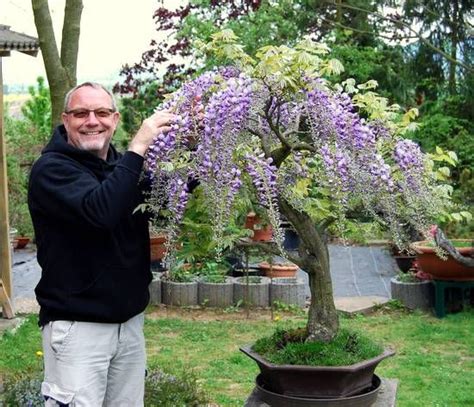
pixel 253 291
pixel 274 269
pixel 314 151
pixel 179 285
pixel 215 287
pixel 413 289
pixel 442 266
pixel 19 237
pixel 262 230
pixel 287 290
pixel 403 258
pixel 21 242
pixel 158 249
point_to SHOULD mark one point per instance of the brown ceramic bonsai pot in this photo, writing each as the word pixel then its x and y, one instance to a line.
pixel 317 381
pixel 278 269
pixel 441 269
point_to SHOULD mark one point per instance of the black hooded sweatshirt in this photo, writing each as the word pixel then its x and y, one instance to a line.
pixel 92 248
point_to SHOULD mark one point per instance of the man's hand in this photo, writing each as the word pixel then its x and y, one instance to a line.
pixel 156 123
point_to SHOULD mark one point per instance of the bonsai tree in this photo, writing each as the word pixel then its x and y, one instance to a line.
pixel 314 151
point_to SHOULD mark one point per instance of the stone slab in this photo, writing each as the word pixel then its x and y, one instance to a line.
pixel 386 396
pixel 359 305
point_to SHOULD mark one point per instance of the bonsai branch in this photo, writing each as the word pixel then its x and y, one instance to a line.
pixel 443 242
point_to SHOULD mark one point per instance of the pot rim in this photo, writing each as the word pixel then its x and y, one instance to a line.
pixel 423 247
pixel 396 281
pixel 278 265
pixel 247 349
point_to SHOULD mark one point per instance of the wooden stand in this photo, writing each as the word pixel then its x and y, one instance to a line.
pixel 7 308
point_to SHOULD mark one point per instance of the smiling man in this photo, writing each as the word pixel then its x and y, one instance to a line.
pixel 90 119
pixel 94 253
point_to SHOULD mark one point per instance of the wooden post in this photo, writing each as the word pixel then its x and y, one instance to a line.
pixel 5 253
pixel 5 303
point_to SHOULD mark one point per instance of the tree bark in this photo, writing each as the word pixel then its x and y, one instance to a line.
pixel 60 70
pixel 323 321
pixel 454 47
pixel 70 38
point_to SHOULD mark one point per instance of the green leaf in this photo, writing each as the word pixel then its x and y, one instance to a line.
pixel 466 215
pixel 371 84
pixel 457 217
pixel 445 171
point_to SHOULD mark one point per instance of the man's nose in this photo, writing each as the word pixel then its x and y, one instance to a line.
pixel 92 119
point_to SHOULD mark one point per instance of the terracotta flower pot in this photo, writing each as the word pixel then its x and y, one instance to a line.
pixel 157 247
pixel 441 269
pixel 21 242
pixel 261 232
pixel 278 269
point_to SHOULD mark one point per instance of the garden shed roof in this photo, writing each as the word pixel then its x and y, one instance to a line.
pixel 14 41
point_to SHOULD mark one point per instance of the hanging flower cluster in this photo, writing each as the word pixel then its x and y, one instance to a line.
pixel 250 127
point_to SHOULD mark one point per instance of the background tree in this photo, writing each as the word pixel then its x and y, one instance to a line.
pixel 257 23
pixel 60 66
pixel 447 45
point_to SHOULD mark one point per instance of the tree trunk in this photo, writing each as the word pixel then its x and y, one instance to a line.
pixel 323 322
pixel 60 70
pixel 454 46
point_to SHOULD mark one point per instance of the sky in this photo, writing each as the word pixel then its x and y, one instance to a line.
pixel 113 32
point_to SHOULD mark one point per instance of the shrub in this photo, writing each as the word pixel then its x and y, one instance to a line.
pixel 161 389
pixel 165 390
pixel 25 391
pixel 21 151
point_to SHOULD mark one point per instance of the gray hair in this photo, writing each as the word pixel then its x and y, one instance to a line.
pixel 94 85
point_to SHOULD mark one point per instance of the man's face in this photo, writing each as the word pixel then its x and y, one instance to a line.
pixel 87 130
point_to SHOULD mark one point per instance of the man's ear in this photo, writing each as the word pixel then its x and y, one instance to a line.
pixel 65 119
pixel 116 119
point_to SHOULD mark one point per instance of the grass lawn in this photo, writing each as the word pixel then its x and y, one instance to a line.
pixel 434 362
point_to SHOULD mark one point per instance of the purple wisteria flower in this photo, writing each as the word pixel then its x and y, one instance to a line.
pixel 326 141
pixel 408 156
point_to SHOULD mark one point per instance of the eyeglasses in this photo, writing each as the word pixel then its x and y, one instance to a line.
pixel 101 113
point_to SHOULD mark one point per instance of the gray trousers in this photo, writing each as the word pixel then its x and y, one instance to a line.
pixel 91 364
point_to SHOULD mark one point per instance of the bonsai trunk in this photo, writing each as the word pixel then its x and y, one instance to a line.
pixel 313 258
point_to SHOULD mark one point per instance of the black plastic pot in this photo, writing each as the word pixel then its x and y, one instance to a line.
pixel 253 271
pixel 404 263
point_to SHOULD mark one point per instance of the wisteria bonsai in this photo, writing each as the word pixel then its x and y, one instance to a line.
pixel 313 151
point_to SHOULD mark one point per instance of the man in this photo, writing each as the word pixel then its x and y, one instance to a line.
pixel 94 254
